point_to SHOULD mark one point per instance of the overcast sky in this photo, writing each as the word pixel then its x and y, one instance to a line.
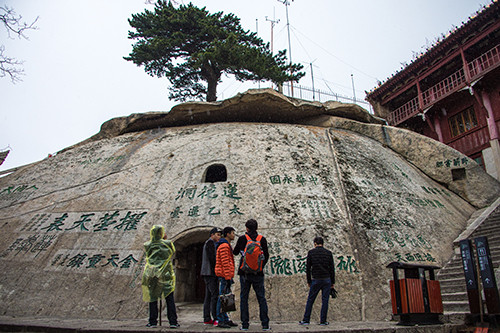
pixel 76 79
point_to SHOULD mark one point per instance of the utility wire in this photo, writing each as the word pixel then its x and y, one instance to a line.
pixel 331 54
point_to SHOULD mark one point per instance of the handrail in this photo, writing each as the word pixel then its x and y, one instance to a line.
pixel 477 67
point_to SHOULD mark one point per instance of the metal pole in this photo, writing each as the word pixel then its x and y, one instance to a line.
pixel 286 3
pixel 273 22
pixel 353 91
pixel 312 77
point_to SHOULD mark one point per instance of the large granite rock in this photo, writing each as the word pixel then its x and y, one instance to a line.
pixel 72 226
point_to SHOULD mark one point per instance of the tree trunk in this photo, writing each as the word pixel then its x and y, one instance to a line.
pixel 212 90
pixel 212 76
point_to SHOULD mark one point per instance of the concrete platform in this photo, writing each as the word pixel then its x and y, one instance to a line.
pixel 36 324
pixel 190 319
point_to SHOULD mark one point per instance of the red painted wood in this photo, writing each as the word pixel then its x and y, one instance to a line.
pixel 415 296
pixel 435 300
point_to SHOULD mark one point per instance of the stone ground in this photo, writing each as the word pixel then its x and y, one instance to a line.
pixel 190 321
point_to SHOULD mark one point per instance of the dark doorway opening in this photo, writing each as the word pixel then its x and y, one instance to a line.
pixel 215 173
pixel 190 286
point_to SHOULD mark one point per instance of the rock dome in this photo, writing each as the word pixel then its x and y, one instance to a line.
pixel 73 225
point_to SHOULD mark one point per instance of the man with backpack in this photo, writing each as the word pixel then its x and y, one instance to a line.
pixel 255 254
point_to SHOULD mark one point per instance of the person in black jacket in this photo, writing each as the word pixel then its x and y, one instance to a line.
pixel 208 274
pixel 320 273
pixel 257 280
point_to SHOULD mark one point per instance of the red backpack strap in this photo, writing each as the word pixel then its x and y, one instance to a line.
pixel 259 238
pixel 248 237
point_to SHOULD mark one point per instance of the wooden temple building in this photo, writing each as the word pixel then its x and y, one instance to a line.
pixel 451 92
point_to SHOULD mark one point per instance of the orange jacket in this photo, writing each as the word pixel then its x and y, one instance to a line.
pixel 224 263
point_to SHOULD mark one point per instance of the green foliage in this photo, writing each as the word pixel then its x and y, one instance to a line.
pixel 193 48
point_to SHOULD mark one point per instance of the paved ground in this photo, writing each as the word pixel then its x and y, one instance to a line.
pixel 190 321
pixel 9 324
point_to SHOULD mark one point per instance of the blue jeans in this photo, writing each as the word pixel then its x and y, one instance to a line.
pixel 316 286
pixel 257 282
pixel 171 313
pixel 224 287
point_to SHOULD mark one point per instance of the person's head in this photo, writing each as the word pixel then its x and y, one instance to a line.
pixel 157 232
pixel 251 225
pixel 228 233
pixel 215 234
pixel 318 241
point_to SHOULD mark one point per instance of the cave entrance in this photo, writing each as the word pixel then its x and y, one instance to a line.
pixel 190 286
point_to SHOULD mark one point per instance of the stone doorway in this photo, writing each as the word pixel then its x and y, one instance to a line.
pixel 189 247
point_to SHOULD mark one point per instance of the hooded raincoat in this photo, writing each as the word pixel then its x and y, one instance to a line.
pixel 158 279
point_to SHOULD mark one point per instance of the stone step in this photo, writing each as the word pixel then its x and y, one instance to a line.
pixel 452 281
pixel 488 231
pixel 451 276
pixel 457 296
pixel 455 317
pixel 456 306
pixel 455 274
pixel 451 266
pixel 453 288
pixel 454 265
pixel 489 224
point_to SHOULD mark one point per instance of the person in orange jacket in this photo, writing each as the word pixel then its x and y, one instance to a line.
pixel 224 269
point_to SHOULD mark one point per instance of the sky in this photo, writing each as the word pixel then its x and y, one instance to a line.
pixel 75 77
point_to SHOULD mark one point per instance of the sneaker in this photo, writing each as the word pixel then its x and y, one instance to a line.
pixel 210 322
pixel 151 325
pixel 216 323
pixel 224 325
pixel 303 322
pixel 175 325
pixel 243 328
pixel 231 323
pixel 266 328
pixel 324 323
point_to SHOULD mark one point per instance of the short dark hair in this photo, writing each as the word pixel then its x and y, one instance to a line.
pixel 227 230
pixel 318 240
pixel 251 225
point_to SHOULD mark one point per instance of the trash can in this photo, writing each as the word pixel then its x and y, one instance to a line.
pixel 417 297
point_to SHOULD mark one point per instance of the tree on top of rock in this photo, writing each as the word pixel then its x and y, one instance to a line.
pixel 193 48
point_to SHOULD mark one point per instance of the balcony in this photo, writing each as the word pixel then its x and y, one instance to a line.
pixel 456 81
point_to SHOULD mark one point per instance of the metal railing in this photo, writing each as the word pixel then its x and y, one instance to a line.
pixel 318 95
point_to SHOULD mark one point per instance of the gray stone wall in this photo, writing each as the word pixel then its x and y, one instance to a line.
pixel 72 226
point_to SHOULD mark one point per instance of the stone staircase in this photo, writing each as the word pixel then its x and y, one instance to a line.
pixel 451 276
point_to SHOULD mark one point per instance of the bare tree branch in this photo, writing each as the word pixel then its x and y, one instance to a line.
pixel 10 66
pixel 15 27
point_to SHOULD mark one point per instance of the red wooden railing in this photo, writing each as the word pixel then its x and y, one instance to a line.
pixel 444 88
pixel 485 62
pixel 403 112
pixel 449 85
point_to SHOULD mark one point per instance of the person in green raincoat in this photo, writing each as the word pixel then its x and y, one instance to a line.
pixel 158 279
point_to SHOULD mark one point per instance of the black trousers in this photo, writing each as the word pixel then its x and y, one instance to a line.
pixel 171 312
pixel 211 295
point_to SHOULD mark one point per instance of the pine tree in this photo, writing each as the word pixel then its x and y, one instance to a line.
pixel 193 48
